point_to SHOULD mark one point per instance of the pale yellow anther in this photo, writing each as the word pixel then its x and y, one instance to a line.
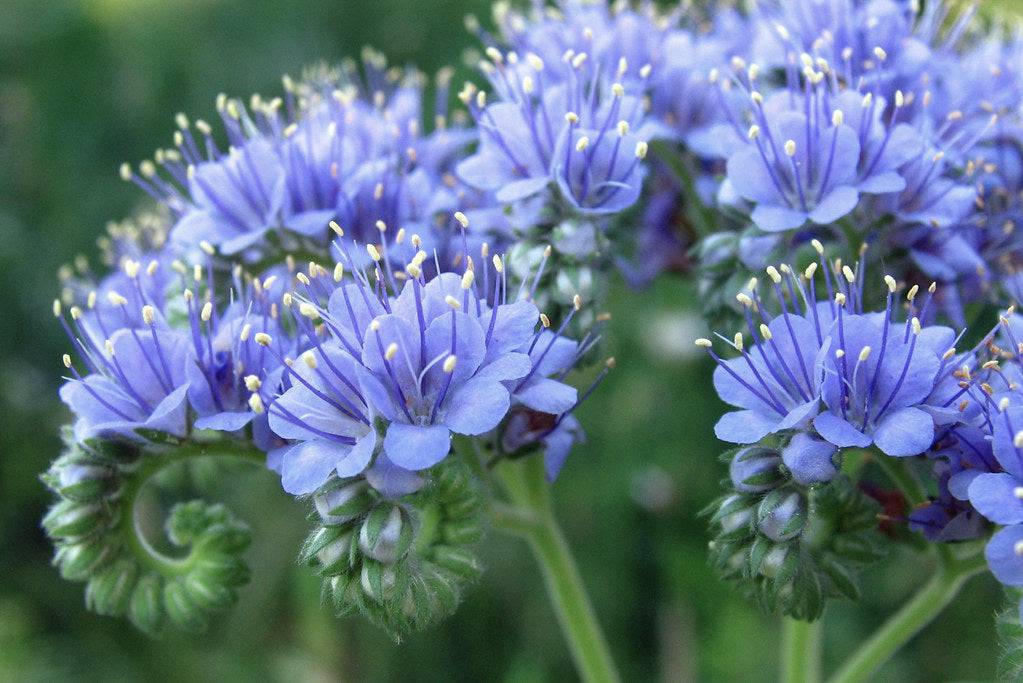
pixel 773 273
pixel 374 325
pixel 1003 404
pixel 837 117
pixel 744 299
pixel 303 278
pixel 269 282
pixel 810 271
pixel 864 354
pixel 310 360
pixel 125 172
pixel 644 71
pixel 850 276
pixel 839 353
pixel 737 342
pixel 577 302
pixel 790 148
pixel 933 287
pixel 253 383
pixel 817 246
pixel 571 118
pixel 392 351
pixel 109 346
pixel 867 100
pixel 116 299
pixel 148 314
pixel 1018 491
pixel 197 272
pixel 308 310
pixel 287 300
pixel 131 268
pixel 263 339
pixel 889 281
pixel 915 325
pixel 900 99
pixel 373 252
pixel 641 149
pixel 582 143
pixel 256 404
pixel 840 299
pixel 246 331
pixel 753 133
pixel 336 228
pixel 416 241
pixel 765 332
pixel 544 320
pixel 948 355
pixel 207 311
pixel 1018 548
pixel 911 294
pixel 623 128
pixel 56 308
pixel 757 98
pixel 880 54
pixel 703 342
pixel 381 226
pixel 498 264
pixel 452 302
pixel 152 268
pixel 481 99
pixel 449 364
pixel 67 360
pixel 462 219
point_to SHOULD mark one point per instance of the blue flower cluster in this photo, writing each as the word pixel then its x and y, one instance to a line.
pixel 835 374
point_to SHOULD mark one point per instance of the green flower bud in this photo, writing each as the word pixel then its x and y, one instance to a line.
pixel 70 519
pixel 110 591
pixel 78 561
pixel 145 609
pixel 386 534
pixel 343 502
pixel 180 605
pixel 379 581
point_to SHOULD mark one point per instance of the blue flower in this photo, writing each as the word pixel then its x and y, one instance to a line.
pixel 399 375
pixel 568 125
pixel 135 377
pixel 229 373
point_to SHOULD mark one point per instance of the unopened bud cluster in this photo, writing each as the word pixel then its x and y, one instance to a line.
pixel 91 526
pixel 403 562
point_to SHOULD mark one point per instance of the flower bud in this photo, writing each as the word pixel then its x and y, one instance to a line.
pixel 342 502
pixel 386 534
pixel 110 591
pixel 785 521
pixel 755 469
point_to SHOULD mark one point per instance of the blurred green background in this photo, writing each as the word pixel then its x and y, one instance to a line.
pixel 86 85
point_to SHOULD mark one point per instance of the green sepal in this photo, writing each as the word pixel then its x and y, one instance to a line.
pixel 145 608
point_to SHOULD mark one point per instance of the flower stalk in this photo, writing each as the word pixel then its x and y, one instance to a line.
pixel 531 516
pixel 801 651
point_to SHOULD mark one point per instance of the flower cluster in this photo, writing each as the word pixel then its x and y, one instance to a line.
pixel 871 150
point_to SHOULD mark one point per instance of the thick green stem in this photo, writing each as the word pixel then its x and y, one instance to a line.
pixel 150 465
pixel 532 518
pixel 912 618
pixel 801 651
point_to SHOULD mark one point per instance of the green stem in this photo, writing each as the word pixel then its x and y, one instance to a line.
pixel 801 651
pixel 912 618
pixel 152 463
pixel 532 517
